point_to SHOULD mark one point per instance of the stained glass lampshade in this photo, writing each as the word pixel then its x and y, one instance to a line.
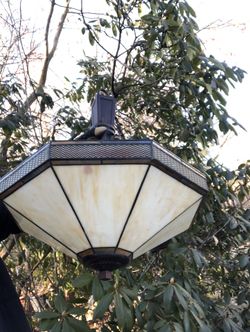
pixel 104 202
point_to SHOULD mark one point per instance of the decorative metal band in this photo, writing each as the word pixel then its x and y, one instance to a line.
pixel 23 169
pixel 170 160
pixel 105 250
pixel 106 150
pixel 120 152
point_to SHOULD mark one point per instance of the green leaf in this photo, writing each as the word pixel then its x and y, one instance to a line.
pixel 57 327
pixel 139 318
pixel 139 9
pixel 181 298
pixel 227 297
pixel 76 311
pixel 209 88
pixel 204 328
pixel 78 325
pixel 120 310
pixel 233 224
pixel 104 23
pixel 97 289
pixel 47 324
pixel 58 93
pixel 66 327
pixel 129 318
pixel 91 38
pixel 226 326
pixel 218 96
pixel 165 328
pixel 114 29
pixel 186 322
pixel 229 175
pixel 230 73
pixel 190 10
pixel 83 280
pixel 132 293
pixel 197 257
pixel 102 306
pixel 198 309
pixel 217 63
pixel 159 324
pixel 194 314
pixel 61 304
pixel 243 261
pixel 178 327
pixel 47 315
pixel 125 297
pixel 168 295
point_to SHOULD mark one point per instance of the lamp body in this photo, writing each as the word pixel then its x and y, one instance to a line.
pixel 103 111
pixel 103 202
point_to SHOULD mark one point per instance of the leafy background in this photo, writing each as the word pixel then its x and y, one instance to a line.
pixel 168 89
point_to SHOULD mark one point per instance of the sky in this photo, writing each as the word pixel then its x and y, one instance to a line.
pixel 226 36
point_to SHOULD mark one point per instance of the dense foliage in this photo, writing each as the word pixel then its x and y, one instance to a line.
pixel 167 89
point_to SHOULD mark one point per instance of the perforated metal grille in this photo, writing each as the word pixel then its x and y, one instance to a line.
pixel 120 151
pixel 27 166
pixel 176 164
pixel 114 150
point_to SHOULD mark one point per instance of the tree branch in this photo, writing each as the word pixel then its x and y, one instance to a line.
pixel 8 246
pixel 48 53
pixel 116 58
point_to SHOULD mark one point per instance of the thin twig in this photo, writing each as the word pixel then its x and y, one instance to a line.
pixel 120 24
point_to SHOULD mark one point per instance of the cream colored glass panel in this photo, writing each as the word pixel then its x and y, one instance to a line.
pixel 162 198
pixel 179 225
pixel 43 201
pixel 102 196
pixel 35 231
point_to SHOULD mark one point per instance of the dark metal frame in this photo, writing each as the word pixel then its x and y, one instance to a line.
pixel 103 111
pixel 105 259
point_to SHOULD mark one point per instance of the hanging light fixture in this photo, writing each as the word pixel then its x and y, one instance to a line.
pixel 103 201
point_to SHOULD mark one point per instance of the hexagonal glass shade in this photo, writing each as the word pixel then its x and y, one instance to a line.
pixel 106 198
